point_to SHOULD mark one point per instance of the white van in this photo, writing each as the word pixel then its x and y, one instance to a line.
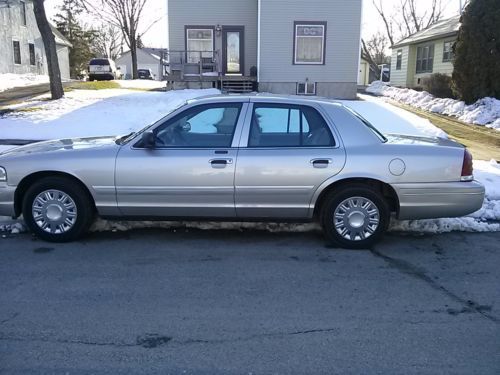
pixel 103 69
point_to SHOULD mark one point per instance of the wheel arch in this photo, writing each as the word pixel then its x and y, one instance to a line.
pixel 30 179
pixel 385 189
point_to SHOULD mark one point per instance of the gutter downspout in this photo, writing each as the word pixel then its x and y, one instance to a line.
pixel 359 49
pixel 259 5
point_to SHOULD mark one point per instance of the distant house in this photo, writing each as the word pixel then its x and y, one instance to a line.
pixel 288 47
pixel 21 44
pixel 147 58
pixel 424 53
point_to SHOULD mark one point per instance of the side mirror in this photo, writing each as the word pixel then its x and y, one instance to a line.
pixel 148 140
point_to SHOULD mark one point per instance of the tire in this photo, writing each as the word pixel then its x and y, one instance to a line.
pixel 58 209
pixel 355 217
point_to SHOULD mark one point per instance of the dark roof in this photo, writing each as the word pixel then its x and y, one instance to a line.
pixel 440 29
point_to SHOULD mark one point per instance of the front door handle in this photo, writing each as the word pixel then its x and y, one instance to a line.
pixel 321 163
pixel 220 163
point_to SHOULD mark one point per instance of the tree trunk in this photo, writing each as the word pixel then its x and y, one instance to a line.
pixel 56 88
pixel 133 53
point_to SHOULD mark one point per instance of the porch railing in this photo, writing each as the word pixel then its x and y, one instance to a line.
pixel 190 63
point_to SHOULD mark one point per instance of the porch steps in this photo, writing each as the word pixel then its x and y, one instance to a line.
pixel 237 86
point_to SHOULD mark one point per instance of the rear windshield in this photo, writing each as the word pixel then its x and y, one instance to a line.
pixel 143 71
pixel 99 62
pixel 368 124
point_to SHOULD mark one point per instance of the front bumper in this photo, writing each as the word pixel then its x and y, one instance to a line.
pixel 443 199
pixel 7 200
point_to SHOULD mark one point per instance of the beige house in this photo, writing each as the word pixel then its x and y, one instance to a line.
pixel 424 53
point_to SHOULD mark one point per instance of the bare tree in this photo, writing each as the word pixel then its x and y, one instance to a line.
pixel 56 88
pixel 124 14
pixel 408 17
pixel 108 41
pixel 374 50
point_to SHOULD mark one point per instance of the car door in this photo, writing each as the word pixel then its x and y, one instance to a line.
pixel 287 151
pixel 190 170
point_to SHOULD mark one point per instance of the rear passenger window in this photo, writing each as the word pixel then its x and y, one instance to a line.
pixel 288 126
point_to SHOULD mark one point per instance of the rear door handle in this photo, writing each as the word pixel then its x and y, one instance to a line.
pixel 321 163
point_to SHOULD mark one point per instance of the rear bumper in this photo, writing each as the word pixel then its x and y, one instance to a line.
pixel 433 200
pixel 7 200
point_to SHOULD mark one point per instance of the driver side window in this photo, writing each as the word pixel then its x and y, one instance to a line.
pixel 204 126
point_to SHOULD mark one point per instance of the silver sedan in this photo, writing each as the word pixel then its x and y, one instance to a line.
pixel 241 158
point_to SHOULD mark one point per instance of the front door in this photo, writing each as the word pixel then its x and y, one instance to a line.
pixel 233 47
pixel 190 170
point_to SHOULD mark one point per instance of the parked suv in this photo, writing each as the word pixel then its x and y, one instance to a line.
pixel 103 69
pixel 145 74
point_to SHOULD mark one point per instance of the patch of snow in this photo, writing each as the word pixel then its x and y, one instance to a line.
pixel 87 113
pixel 484 112
pixel 11 80
pixel 143 84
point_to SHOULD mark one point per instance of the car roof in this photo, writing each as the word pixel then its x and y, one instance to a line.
pixel 263 97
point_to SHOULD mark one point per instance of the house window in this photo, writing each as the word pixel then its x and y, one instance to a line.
pixel 32 53
pixel 17 52
pixel 309 43
pixel 425 59
pixel 305 88
pixel 447 51
pixel 23 12
pixel 199 43
pixel 399 59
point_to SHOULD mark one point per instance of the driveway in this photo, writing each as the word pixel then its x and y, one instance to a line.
pixel 203 302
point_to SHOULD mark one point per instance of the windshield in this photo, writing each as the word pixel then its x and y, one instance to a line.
pixel 99 62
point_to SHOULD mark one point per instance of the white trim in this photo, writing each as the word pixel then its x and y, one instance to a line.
pixel 259 12
pixel 323 39
pixel 360 50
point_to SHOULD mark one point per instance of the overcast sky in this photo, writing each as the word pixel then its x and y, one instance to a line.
pixel 157 36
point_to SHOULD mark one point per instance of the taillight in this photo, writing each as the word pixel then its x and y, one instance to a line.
pixel 467 170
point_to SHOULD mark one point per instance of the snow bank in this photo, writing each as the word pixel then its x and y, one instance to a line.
pixel 485 111
pixel 10 80
pixel 86 113
pixel 145 84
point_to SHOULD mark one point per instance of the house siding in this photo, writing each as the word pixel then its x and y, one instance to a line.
pixel 343 19
pixel 12 28
pixel 407 76
pixel 400 77
pixel 438 65
pixel 216 12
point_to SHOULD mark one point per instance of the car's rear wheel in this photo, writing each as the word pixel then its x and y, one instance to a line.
pixel 355 216
pixel 57 209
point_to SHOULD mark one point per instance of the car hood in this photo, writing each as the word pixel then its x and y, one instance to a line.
pixel 421 140
pixel 69 144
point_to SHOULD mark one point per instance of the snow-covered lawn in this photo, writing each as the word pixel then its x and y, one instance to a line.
pixel 485 111
pixel 120 111
pixel 141 84
pixel 10 80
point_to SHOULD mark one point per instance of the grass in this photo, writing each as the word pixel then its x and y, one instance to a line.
pixel 95 85
pixel 482 142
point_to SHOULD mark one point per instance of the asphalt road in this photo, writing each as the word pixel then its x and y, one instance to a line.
pixel 249 302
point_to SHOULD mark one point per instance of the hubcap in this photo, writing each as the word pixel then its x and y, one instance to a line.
pixel 54 211
pixel 356 218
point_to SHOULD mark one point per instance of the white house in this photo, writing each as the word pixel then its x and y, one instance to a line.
pixel 147 58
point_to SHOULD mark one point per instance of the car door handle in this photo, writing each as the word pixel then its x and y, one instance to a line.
pixel 220 163
pixel 321 163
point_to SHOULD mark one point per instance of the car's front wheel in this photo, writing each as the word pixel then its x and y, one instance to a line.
pixel 57 209
pixel 355 216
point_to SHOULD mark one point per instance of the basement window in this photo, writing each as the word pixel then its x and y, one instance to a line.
pixel 306 88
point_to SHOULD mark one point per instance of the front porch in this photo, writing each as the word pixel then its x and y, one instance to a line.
pixel 203 69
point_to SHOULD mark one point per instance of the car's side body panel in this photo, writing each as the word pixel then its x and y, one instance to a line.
pixel 263 182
